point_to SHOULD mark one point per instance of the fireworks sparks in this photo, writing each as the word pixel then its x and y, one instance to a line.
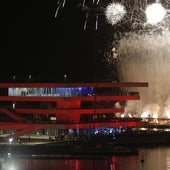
pixel 143 54
pixel 141 48
pixel 147 58
pixel 155 13
pixel 114 13
pixel 131 14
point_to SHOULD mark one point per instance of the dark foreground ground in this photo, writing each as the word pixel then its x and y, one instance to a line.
pixel 67 148
pixel 126 144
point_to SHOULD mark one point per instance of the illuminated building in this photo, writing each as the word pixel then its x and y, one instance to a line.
pixel 28 107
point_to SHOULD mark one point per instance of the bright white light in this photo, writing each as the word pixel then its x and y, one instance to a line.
pixel 114 13
pixel 167 114
pixel 10 140
pixel 155 115
pixel 144 114
pixel 130 115
pixel 155 13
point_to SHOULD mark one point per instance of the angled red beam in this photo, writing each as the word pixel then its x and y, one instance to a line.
pixel 12 115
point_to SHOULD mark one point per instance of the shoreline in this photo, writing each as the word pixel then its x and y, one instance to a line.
pixel 74 149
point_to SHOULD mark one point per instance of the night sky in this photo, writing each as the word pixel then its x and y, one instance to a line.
pixel 35 42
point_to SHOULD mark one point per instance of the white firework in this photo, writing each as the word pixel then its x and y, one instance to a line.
pixel 146 58
pixel 114 13
pixel 155 13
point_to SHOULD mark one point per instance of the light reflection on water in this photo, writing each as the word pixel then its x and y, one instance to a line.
pixel 61 164
pixel 154 159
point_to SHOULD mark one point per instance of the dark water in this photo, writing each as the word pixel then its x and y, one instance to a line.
pixel 154 159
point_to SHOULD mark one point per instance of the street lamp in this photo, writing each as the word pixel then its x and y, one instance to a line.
pixel 10 140
pixel 65 77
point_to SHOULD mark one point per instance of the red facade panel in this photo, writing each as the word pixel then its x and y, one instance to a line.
pixel 68 104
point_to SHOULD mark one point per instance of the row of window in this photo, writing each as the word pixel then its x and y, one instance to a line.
pixel 62 92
